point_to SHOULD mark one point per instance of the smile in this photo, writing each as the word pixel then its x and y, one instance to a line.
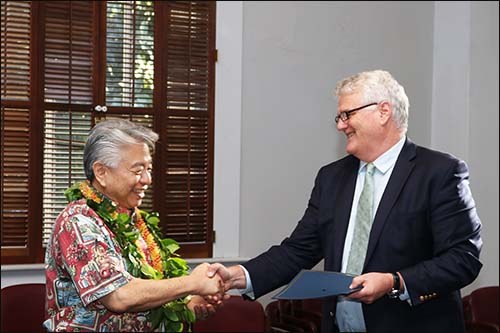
pixel 140 193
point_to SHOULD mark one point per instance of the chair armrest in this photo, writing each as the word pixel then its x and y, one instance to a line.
pixel 282 317
pixel 285 328
pixel 307 325
pixel 481 327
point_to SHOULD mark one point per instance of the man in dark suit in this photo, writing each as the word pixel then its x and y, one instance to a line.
pixel 421 242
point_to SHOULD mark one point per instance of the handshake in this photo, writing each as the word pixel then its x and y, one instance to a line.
pixel 211 282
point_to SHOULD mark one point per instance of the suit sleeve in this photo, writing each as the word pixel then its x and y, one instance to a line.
pixel 301 250
pixel 455 228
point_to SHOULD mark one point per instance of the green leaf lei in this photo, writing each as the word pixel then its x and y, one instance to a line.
pixel 170 316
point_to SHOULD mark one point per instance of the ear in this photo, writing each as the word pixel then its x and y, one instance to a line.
pixel 385 112
pixel 100 173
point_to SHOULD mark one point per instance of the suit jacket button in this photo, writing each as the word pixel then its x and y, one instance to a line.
pixel 331 313
pixel 422 298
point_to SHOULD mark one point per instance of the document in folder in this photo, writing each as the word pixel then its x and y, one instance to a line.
pixel 317 284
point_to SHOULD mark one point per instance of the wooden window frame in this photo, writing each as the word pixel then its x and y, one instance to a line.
pixel 34 252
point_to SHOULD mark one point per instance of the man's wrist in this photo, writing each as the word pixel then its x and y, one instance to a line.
pixel 238 277
pixel 396 286
pixel 246 288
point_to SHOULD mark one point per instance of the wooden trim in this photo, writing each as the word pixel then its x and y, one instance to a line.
pixel 99 70
pixel 36 132
pixel 159 98
pixel 211 131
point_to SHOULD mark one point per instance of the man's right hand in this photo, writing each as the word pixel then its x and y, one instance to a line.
pixel 233 277
pixel 206 284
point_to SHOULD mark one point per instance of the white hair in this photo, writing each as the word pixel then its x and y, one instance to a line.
pixel 108 137
pixel 376 86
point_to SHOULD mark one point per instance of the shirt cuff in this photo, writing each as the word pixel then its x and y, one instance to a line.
pixel 249 289
pixel 405 296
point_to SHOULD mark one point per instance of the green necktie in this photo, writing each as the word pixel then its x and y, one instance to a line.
pixel 363 225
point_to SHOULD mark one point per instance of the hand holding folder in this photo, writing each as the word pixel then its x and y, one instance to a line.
pixel 317 284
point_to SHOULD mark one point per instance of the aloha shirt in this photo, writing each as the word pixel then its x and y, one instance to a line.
pixel 83 264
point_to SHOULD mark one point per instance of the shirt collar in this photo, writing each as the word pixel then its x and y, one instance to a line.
pixel 387 160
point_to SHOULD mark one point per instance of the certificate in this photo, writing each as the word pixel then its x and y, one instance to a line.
pixel 317 284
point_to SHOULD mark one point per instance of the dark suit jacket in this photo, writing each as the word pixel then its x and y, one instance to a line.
pixel 426 227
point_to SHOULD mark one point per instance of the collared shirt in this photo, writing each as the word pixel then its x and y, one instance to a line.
pixel 349 312
pixel 83 264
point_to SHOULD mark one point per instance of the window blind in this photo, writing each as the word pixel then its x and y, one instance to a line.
pixel 187 134
pixel 130 67
pixel 68 78
pixel 16 161
pixel 150 62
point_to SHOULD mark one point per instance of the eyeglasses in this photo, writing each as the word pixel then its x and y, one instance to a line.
pixel 344 115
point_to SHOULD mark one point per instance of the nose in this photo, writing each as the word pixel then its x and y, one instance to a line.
pixel 146 177
pixel 341 125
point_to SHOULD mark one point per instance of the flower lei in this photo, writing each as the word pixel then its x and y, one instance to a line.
pixel 163 263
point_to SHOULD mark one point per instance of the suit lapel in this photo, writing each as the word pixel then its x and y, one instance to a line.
pixel 402 169
pixel 343 204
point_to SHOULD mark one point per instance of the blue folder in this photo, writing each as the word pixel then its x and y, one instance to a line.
pixel 317 284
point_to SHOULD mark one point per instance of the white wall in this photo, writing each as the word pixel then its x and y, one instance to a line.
pixel 444 53
pixel 465 109
pixel 293 55
pixel 278 64
pixel 228 129
pixel 483 132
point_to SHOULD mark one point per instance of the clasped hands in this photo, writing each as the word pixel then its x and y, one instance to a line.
pixel 210 290
pixel 214 281
pixel 375 284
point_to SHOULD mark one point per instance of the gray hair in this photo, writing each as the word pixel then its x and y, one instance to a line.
pixel 107 138
pixel 376 86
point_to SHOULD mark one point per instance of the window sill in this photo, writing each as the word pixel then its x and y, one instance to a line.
pixel 191 261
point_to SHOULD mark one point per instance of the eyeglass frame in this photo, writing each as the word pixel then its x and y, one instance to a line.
pixel 347 114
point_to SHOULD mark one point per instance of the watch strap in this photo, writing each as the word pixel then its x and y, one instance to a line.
pixel 396 286
pixel 397 282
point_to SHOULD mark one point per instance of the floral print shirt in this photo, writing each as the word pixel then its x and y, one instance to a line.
pixel 84 264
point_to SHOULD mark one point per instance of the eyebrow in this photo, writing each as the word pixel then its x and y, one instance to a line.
pixel 140 164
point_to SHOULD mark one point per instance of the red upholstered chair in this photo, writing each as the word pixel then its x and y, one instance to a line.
pixel 294 316
pixel 237 315
pixel 481 310
pixel 23 308
pixel 309 309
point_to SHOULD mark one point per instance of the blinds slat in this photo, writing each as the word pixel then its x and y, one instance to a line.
pixel 65 135
pixel 14 166
pixel 68 52
pixel 15 41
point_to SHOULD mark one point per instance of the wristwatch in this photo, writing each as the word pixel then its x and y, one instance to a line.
pixel 396 286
